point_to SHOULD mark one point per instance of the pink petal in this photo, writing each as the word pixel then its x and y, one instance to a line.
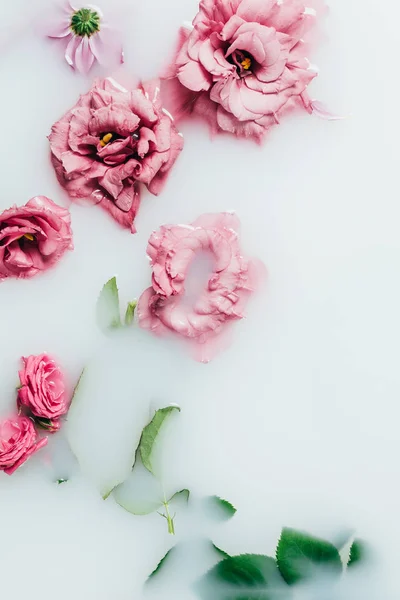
pixel 70 50
pixel 321 110
pixel 84 57
pixel 194 77
pixel 59 29
pixel 106 49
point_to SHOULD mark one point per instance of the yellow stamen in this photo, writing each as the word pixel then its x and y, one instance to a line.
pixel 107 138
pixel 29 237
pixel 246 63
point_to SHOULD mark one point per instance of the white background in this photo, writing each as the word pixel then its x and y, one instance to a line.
pixel 297 423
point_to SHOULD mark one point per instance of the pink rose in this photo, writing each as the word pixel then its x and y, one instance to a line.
pixel 42 392
pixel 110 142
pixel 171 250
pixel 17 443
pixel 33 237
pixel 243 64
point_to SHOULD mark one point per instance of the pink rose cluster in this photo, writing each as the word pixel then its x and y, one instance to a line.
pixel 111 142
pixel 33 237
pixel 244 63
pixel 42 401
pixel 162 308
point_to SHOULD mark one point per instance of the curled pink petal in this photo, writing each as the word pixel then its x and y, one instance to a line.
pixel 113 141
pixel 243 65
pixel 171 250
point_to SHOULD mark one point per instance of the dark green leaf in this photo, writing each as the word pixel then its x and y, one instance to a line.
pixel 219 509
pixel 150 433
pixel 299 555
pixel 130 312
pixel 358 553
pixel 244 577
pixel 108 315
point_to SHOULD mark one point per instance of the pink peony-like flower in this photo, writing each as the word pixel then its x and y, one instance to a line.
pixel 87 36
pixel 243 64
pixel 33 237
pixel 171 250
pixel 42 392
pixel 112 141
pixel 18 441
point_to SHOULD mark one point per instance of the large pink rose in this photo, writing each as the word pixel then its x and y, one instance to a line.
pixel 112 141
pixel 33 237
pixel 171 249
pixel 18 441
pixel 243 64
pixel 42 392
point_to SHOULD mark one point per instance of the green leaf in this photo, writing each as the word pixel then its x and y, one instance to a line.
pixel 182 495
pixel 108 314
pixel 130 312
pixel 150 433
pixel 244 577
pixel 219 509
pixel 220 553
pixel 77 386
pixel 299 554
pixel 162 563
pixel 358 553
pixel 135 506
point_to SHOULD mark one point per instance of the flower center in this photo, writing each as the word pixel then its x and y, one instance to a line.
pixel 106 139
pixel 243 62
pixel 85 22
pixel 29 237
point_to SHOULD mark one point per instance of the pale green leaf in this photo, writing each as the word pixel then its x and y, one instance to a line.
pixel 150 433
pixel 181 495
pixel 108 312
pixel 130 312
pixel 299 554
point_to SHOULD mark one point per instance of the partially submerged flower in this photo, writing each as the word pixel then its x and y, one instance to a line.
pixel 33 237
pixel 112 141
pixel 18 441
pixel 171 250
pixel 244 63
pixel 43 392
pixel 88 37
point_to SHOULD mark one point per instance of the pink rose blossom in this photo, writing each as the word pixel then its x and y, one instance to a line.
pixel 42 392
pixel 18 441
pixel 112 141
pixel 243 64
pixel 86 35
pixel 33 237
pixel 234 278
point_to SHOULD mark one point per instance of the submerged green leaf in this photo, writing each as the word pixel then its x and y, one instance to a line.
pixel 221 553
pixel 358 552
pixel 130 312
pixel 218 508
pixel 108 312
pixel 181 495
pixel 299 554
pixel 150 433
pixel 162 563
pixel 244 577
